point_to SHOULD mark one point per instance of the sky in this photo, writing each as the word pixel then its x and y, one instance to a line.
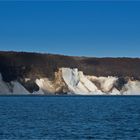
pixel 79 28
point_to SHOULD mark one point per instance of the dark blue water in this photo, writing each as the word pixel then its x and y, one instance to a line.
pixel 71 118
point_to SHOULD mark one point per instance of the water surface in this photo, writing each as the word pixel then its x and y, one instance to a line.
pixel 70 117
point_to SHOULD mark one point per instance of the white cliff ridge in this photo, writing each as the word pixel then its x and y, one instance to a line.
pixel 72 81
pixel 78 83
pixel 12 87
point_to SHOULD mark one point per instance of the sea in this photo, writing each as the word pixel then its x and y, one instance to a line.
pixel 69 117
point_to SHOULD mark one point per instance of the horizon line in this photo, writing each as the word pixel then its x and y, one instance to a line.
pixel 49 53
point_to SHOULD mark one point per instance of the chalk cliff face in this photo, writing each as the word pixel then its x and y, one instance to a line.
pixel 35 73
pixel 12 87
pixel 78 83
pixel 72 81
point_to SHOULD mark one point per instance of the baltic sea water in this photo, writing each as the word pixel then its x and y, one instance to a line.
pixel 69 117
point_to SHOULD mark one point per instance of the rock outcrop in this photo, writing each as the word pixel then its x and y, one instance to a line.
pixel 72 81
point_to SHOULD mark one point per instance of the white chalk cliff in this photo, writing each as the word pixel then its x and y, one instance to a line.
pixel 12 87
pixel 72 81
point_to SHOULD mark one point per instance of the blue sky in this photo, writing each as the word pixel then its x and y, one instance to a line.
pixel 71 28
